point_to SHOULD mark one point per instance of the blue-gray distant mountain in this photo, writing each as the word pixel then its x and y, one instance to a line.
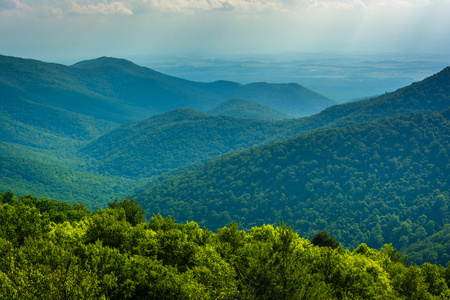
pixel 161 93
pixel 243 108
pixel 106 87
pixel 91 97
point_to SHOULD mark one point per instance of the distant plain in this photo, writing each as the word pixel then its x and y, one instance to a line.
pixel 342 77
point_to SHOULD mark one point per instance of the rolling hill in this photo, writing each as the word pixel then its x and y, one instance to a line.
pixel 379 181
pixel 177 138
pixel 49 180
pixel 117 90
pixel 243 108
pixel 51 110
pixel 374 170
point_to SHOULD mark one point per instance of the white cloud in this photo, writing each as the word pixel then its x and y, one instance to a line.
pixel 103 8
pixel 13 7
pixel 130 7
pixel 208 5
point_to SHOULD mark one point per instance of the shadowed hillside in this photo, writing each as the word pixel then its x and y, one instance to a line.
pixel 243 108
pixel 379 181
pixel 177 138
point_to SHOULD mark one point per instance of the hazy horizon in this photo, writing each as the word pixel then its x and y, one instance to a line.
pixel 344 49
pixel 73 30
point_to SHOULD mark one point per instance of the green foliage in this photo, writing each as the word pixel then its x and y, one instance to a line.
pixel 378 182
pixel 271 266
pixel 103 256
pixel 50 180
pixel 393 254
pixel 133 211
pixel 56 211
pixel 323 239
pixel 19 223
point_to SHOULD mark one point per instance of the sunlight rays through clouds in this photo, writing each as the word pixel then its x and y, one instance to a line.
pixel 119 27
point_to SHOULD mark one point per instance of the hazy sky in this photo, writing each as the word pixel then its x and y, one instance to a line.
pixel 55 30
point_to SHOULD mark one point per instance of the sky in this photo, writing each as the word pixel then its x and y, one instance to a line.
pixel 58 30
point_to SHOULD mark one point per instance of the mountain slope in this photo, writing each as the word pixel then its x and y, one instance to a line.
pixel 177 138
pixel 56 109
pixel 243 108
pixel 430 94
pixel 30 176
pixel 25 122
pixel 57 86
pixel 172 140
pixel 283 97
pixel 171 93
pixel 118 90
pixel 376 182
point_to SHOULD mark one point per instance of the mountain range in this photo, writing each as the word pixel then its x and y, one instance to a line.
pixel 374 170
pixel 384 180
pixel 181 137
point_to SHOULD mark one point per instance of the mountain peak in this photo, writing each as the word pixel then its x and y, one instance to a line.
pixel 104 61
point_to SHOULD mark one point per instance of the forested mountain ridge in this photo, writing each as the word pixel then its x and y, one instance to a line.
pixel 85 101
pixel 430 94
pixel 177 138
pixel 385 180
pixel 48 111
pixel 51 249
pixel 119 91
pixel 243 108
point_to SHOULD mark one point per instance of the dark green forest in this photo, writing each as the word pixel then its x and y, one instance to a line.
pixel 52 181
pixel 168 141
pixel 380 181
pixel 349 203
pixel 178 138
pixel 48 112
pixel 54 250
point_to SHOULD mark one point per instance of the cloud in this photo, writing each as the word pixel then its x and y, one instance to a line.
pixel 208 5
pixel 103 8
pixel 12 4
pixel 133 7
pixel 13 7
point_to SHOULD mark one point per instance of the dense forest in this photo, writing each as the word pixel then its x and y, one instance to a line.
pixel 385 180
pixel 180 137
pixel 53 181
pixel 53 250
pixel 243 108
pixel 48 112
pixel 373 171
